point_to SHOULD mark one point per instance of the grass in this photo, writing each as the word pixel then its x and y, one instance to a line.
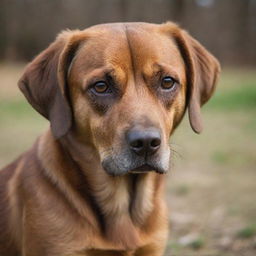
pixel 240 98
pixel 221 157
pixel 247 232
pixel 211 188
pixel 197 243
pixel 16 108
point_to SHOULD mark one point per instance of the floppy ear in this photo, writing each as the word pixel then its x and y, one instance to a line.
pixel 44 82
pixel 202 71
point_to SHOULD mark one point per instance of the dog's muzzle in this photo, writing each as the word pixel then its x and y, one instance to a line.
pixel 142 153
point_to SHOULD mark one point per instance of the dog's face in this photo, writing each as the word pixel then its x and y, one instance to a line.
pixel 123 89
pixel 129 96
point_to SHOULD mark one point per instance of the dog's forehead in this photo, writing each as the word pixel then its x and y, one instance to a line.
pixel 114 27
pixel 129 46
pixel 150 44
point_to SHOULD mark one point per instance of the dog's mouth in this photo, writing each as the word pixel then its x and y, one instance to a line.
pixel 146 168
pixel 113 169
pixel 122 164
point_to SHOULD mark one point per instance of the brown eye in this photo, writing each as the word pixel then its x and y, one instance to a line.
pixel 168 83
pixel 101 87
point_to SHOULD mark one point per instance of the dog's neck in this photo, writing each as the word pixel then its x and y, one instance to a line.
pixel 120 203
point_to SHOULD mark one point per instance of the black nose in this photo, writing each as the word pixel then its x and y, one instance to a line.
pixel 144 142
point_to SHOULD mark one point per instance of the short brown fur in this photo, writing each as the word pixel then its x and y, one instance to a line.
pixel 58 199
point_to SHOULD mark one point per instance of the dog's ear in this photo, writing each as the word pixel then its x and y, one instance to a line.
pixel 44 82
pixel 202 70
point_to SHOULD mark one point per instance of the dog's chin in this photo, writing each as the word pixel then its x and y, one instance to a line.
pixel 114 168
pixel 147 168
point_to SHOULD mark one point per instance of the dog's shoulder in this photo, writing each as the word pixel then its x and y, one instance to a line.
pixel 7 244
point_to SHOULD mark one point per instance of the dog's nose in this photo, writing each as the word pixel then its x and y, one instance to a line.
pixel 144 142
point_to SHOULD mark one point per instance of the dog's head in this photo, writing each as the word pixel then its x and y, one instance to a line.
pixel 122 88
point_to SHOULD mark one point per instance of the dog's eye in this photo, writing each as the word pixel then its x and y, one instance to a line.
pixel 101 87
pixel 168 83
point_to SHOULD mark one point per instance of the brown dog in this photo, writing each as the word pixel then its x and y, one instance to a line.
pixel 91 185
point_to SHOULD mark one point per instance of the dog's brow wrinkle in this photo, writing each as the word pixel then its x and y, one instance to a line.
pixel 130 50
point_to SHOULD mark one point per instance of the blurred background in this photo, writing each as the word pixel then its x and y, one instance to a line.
pixel 211 188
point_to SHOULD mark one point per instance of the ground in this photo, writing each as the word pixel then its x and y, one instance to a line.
pixel 211 187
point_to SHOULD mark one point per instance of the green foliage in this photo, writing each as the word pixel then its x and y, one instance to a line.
pixel 220 157
pixel 182 190
pixel 197 243
pixel 247 232
pixel 15 108
pixel 241 98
